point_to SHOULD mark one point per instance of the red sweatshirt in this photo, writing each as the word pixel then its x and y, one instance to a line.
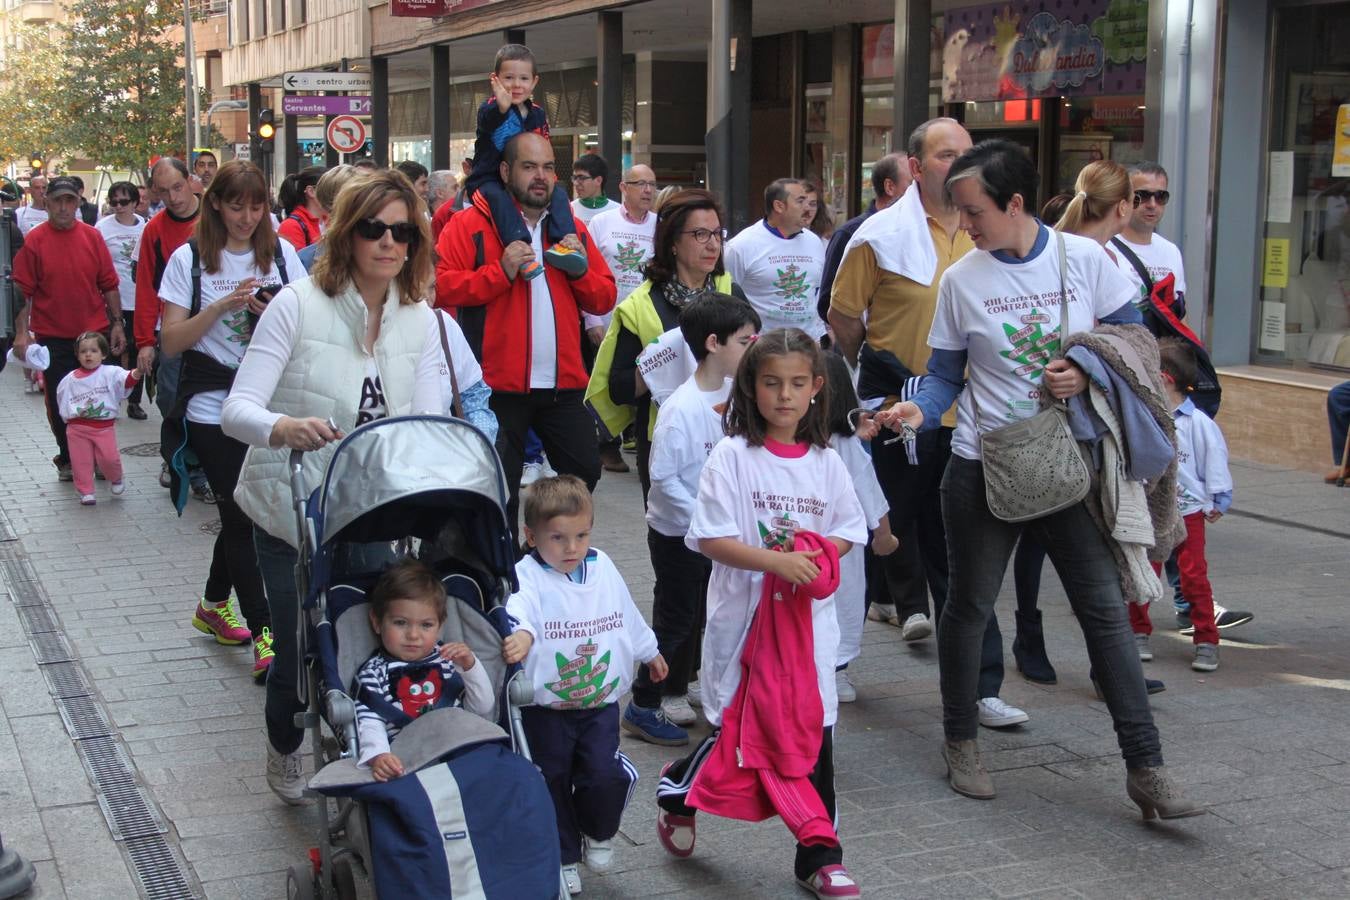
pixel 64 275
pixel 164 234
pixel 301 228
pixel 773 728
pixel 494 311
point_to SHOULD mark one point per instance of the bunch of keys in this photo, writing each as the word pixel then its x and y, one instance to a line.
pixel 907 435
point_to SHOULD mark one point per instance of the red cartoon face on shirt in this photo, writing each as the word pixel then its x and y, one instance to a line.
pixel 416 690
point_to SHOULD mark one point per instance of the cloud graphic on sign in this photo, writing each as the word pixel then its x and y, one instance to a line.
pixel 1124 31
pixel 1055 52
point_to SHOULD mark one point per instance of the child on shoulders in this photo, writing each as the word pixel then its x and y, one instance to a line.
pixel 412 672
pixel 88 400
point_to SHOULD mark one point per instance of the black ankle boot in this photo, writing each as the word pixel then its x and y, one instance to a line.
pixel 1029 650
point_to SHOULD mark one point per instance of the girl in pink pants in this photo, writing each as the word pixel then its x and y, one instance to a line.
pixel 89 399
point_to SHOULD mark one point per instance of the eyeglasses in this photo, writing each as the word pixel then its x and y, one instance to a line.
pixel 703 235
pixel 1162 197
pixel 401 232
pixel 125 201
pixel 581 176
pixel 641 184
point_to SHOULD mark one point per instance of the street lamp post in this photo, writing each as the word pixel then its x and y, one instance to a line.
pixel 189 65
pixel 219 105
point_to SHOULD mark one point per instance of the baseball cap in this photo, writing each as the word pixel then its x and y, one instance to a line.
pixel 63 185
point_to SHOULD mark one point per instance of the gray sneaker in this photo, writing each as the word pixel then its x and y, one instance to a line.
pixel 1206 658
pixel 1145 651
pixel 965 772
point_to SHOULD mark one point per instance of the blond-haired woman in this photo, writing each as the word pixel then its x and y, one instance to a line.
pixel 353 343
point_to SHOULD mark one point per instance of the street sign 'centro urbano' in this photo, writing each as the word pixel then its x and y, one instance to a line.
pixel 326 81
pixel 293 105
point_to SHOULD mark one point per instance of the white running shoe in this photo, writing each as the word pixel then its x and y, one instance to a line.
pixel 549 471
pixel 916 628
pixel 573 879
pixel 284 776
pixel 118 488
pixel 694 695
pixel 531 473
pixel 678 710
pixel 844 687
pixel 994 713
pixel 599 854
pixel 882 612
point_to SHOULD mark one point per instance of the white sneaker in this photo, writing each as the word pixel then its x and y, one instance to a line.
pixel 994 713
pixel 844 687
pixel 118 488
pixel 599 855
pixel 572 878
pixel 1145 651
pixel 678 710
pixel 694 695
pixel 916 628
pixel 549 471
pixel 284 776
pixel 882 612
pixel 531 473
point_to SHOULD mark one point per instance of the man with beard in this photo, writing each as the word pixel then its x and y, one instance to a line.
pixel 526 332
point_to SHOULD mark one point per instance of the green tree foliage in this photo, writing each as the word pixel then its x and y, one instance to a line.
pixel 33 108
pixel 127 82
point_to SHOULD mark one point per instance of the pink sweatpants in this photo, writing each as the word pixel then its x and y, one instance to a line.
pixel 89 445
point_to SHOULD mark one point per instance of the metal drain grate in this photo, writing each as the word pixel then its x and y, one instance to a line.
pixel 83 717
pixel 66 681
pixel 37 619
pixel 159 868
pixel 18 572
pixel 124 806
pixel 51 647
pixel 141 450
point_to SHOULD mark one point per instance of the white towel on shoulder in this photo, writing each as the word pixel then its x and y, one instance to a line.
pixel 898 236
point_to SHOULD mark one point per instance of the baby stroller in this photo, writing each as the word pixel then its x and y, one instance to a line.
pixel 472 818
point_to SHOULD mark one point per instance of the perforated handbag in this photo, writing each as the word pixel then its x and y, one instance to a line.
pixel 1032 468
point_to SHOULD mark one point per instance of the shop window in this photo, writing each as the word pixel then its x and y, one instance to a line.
pixel 1303 313
pixel 1093 128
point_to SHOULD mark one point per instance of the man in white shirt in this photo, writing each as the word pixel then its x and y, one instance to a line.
pixel 778 263
pixel 625 236
pixel 35 213
pixel 589 174
pixel 1159 256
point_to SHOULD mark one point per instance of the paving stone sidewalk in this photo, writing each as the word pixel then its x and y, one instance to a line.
pixel 1265 741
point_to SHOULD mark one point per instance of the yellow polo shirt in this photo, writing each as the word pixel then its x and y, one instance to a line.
pixel 899 311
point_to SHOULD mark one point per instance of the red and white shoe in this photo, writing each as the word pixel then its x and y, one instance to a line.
pixel 829 882
pixel 675 832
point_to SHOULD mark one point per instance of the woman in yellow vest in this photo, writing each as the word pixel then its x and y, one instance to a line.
pixel 687 262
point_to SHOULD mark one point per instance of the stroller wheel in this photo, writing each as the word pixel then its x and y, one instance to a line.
pixel 299 883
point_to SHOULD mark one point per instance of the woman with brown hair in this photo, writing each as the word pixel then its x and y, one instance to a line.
pixel 353 343
pixel 213 288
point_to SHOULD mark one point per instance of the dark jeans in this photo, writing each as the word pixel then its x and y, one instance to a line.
pixel 676 781
pixel 511 225
pixel 221 458
pixel 565 427
pixel 1338 417
pixel 62 364
pixel 679 609
pixel 128 328
pixel 913 494
pixel 1027 565
pixel 980 548
pixel 276 563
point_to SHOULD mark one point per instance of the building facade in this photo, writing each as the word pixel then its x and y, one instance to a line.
pixel 1240 99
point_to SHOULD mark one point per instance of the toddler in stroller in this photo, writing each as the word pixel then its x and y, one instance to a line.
pixel 470 815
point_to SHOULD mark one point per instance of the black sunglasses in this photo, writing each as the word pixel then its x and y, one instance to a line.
pixel 125 201
pixel 1144 196
pixel 374 229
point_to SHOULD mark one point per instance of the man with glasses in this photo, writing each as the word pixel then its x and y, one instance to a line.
pixel 778 261
pixel 624 235
pixel 122 233
pixel 1139 244
pixel 589 174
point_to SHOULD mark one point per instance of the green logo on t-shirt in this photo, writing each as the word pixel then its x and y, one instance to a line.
pixel 629 256
pixel 581 681
pixel 1032 346
pixel 791 283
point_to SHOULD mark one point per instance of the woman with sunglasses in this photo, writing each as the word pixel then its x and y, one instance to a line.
pixel 353 343
pixel 122 233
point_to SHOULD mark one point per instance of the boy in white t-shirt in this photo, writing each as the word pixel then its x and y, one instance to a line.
pixel 717 328
pixel 579 634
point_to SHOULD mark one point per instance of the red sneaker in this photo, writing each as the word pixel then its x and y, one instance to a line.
pixel 262 655
pixel 829 882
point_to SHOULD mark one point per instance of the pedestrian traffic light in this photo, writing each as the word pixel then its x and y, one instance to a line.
pixel 267 130
pixel 37 163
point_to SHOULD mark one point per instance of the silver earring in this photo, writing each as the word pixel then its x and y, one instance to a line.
pixel 813 401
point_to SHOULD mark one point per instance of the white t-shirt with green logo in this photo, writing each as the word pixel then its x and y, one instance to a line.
pixel 780 276
pixel 1005 314
pixel 626 247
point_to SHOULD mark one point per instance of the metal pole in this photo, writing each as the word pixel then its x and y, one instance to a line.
pixel 718 138
pixel 609 96
pixel 189 100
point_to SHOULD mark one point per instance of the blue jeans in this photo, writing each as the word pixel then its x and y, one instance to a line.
pixel 979 546
pixel 1338 417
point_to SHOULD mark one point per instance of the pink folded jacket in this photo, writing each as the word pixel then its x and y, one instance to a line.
pixel 773 727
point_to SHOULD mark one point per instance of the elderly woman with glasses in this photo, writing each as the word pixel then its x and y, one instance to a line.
pixel 353 343
pixel 687 261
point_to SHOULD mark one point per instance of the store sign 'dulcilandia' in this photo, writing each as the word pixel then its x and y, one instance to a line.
pixel 1055 53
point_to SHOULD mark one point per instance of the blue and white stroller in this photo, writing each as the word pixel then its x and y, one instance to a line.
pixel 473 817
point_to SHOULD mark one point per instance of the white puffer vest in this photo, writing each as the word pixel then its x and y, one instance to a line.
pixel 323 379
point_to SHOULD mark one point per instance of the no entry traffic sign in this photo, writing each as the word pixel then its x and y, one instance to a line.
pixel 346 134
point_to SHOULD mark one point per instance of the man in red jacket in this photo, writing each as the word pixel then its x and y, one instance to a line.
pixel 166 232
pixel 67 274
pixel 526 332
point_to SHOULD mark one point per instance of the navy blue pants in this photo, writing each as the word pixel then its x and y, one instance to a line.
pixel 1338 417
pixel 511 227
pixel 590 781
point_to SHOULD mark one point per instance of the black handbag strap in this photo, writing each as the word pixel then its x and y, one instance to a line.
pixel 1136 262
pixel 455 405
